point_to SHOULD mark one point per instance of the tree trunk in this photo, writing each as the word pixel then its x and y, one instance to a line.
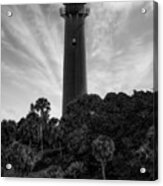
pixel 103 171
pixel 41 130
pixel 41 137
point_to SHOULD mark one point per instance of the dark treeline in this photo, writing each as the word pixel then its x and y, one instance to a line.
pixel 110 138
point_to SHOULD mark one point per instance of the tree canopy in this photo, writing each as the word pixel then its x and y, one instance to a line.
pixel 110 138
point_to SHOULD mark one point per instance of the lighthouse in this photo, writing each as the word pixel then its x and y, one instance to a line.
pixel 74 72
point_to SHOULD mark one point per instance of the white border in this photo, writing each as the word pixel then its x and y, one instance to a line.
pixel 58 182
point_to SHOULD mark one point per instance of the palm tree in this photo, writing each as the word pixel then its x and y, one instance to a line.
pixel 103 148
pixel 42 107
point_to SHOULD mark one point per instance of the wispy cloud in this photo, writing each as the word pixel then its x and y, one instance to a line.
pixel 120 47
pixel 119 52
pixel 32 57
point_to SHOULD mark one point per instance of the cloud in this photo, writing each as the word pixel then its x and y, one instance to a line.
pixel 32 57
pixel 120 54
pixel 119 48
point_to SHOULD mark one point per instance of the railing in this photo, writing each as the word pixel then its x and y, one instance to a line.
pixel 74 10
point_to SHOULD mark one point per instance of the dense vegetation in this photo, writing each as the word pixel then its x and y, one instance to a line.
pixel 110 138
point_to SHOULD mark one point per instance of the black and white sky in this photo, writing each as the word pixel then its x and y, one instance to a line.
pixel 119 50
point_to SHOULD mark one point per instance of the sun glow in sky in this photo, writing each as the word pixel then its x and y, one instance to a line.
pixel 119 50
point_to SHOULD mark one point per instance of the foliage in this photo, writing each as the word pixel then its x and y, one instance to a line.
pixel 42 107
pixel 21 157
pixel 74 170
pixel 28 132
pixel 103 149
pixel 116 135
pixel 8 132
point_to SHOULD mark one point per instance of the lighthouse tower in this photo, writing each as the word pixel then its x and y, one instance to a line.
pixel 74 75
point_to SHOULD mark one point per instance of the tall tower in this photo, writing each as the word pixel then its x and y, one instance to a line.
pixel 74 78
